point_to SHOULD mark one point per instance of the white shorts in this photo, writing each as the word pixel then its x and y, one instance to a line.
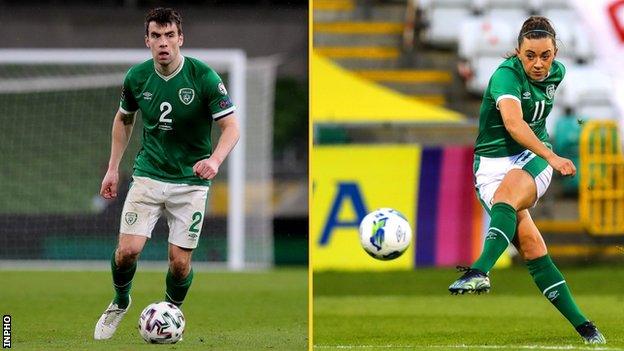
pixel 183 205
pixel 490 171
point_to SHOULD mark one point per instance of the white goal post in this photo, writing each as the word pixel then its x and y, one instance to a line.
pixel 232 61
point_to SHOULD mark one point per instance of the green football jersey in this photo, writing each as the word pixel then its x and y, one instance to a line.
pixel 536 98
pixel 177 112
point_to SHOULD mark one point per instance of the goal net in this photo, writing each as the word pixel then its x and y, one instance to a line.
pixel 58 107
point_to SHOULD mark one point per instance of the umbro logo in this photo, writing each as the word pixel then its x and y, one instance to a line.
pixel 491 235
pixel 553 295
pixel 526 95
pixel 147 95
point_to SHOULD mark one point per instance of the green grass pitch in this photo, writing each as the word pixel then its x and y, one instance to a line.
pixel 224 311
pixel 393 311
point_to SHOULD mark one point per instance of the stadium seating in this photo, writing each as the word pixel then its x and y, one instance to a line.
pixel 439 14
pixel 587 90
pixel 484 41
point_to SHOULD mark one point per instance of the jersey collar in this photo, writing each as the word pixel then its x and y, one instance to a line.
pixel 167 78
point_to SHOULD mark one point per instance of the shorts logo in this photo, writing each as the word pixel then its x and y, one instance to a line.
pixel 490 235
pixel 550 91
pixel 130 217
pixel 186 95
pixel 221 88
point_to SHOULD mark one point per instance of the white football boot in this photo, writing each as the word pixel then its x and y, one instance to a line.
pixel 108 322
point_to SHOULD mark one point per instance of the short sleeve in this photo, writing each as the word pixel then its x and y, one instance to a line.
pixel 128 103
pixel 505 84
pixel 217 97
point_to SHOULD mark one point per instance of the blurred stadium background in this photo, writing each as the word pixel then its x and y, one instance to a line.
pixel 59 107
pixel 396 89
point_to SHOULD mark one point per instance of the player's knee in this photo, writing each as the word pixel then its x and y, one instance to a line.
pixel 503 194
pixel 179 267
pixel 127 254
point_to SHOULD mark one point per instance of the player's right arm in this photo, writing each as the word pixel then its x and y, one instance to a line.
pixel 122 130
pixel 505 90
pixel 511 112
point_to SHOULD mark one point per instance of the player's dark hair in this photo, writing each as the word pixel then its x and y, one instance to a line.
pixel 536 27
pixel 163 16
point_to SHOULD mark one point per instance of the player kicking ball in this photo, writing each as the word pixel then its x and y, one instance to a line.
pixel 179 99
pixel 513 167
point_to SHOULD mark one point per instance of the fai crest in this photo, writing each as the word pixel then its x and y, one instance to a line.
pixel 186 95
pixel 130 217
pixel 550 91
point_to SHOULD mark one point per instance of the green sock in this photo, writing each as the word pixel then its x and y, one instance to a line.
pixel 552 285
pixel 122 282
pixel 499 236
pixel 177 289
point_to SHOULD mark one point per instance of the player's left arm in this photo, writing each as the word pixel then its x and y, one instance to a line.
pixel 209 167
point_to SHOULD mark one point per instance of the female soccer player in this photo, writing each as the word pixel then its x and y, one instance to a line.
pixel 513 167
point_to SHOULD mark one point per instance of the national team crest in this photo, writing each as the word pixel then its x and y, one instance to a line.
pixel 186 95
pixel 131 217
pixel 550 91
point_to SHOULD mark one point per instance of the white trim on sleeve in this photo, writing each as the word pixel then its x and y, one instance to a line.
pixel 506 96
pixel 224 112
pixel 122 110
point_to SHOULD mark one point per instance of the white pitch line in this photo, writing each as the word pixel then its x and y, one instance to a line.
pixel 497 347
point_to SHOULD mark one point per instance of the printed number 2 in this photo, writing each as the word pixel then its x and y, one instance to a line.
pixel 197 217
pixel 165 108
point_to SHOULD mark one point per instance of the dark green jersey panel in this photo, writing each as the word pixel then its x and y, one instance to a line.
pixel 177 112
pixel 536 99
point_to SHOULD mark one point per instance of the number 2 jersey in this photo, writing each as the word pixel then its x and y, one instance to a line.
pixel 536 98
pixel 177 113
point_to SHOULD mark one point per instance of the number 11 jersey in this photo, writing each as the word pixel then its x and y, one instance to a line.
pixel 536 99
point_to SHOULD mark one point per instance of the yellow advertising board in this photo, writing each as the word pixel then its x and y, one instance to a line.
pixel 348 182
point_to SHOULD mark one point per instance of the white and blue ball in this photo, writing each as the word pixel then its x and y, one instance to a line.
pixel 385 234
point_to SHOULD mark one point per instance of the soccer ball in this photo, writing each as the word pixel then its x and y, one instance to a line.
pixel 161 323
pixel 385 234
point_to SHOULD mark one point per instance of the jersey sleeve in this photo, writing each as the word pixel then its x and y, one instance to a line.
pixel 216 95
pixel 128 103
pixel 505 84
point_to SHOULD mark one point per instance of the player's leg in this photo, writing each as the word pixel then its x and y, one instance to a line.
pixel 180 274
pixel 549 279
pixel 123 266
pixel 184 209
pixel 141 210
pixel 516 191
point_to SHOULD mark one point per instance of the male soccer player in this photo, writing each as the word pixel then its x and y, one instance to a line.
pixel 179 98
